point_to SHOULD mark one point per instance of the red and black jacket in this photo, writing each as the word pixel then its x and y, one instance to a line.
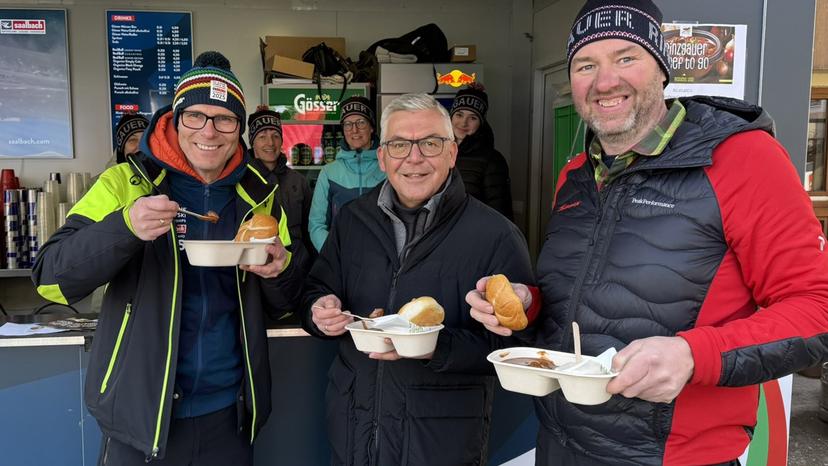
pixel 715 241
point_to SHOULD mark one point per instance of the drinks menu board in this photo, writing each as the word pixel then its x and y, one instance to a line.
pixel 148 52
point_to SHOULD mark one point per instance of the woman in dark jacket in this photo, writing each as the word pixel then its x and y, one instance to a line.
pixel 483 169
pixel 294 193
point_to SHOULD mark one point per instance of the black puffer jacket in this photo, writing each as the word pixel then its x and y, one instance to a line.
pixel 414 412
pixel 484 171
pixel 687 243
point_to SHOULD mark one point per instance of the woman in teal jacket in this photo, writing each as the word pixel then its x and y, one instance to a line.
pixel 354 172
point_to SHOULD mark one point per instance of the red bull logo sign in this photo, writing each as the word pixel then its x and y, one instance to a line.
pixel 456 78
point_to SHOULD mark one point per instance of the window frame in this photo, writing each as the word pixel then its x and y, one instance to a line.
pixel 821 93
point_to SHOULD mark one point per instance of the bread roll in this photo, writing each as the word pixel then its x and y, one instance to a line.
pixel 424 311
pixel 507 305
pixel 258 227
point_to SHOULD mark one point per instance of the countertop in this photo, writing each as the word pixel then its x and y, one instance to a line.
pixel 83 337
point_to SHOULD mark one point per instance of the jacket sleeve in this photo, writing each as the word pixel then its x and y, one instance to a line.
pixel 318 216
pixel 464 350
pixel 325 276
pixel 777 263
pixel 497 187
pixel 281 293
pixel 307 197
pixel 90 248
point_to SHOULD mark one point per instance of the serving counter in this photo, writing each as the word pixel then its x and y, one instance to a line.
pixel 44 420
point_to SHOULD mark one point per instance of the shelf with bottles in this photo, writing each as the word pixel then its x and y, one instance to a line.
pixel 310 147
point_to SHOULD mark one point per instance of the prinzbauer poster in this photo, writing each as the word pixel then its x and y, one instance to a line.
pixel 35 112
pixel 706 59
pixel 148 52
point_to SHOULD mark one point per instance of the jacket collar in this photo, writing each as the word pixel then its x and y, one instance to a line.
pixel 447 211
pixel 709 121
pixel 483 138
pixel 252 183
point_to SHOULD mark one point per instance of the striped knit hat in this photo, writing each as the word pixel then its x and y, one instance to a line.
pixel 210 82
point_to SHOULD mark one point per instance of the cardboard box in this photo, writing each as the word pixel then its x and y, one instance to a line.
pixel 282 55
pixel 463 54
pixel 278 66
pixel 295 47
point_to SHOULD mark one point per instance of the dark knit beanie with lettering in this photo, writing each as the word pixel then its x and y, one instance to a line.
pixel 637 21
pixel 129 124
pixel 210 82
pixel 264 118
pixel 472 98
pixel 357 105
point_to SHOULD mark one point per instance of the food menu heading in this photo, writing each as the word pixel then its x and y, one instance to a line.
pixel 148 52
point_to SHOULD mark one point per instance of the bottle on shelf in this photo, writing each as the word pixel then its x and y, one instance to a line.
pixel 296 155
pixel 306 157
pixel 339 137
pixel 318 154
pixel 330 147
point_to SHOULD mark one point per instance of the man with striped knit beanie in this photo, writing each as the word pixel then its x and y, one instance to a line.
pixel 179 372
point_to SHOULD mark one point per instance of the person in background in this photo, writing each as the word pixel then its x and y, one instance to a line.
pixel 683 238
pixel 354 172
pixel 294 193
pixel 484 170
pixel 417 234
pixel 179 371
pixel 128 134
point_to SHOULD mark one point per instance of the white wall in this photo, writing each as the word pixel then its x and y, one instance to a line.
pixel 552 21
pixel 233 27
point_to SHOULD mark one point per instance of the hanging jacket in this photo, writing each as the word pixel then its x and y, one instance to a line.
pixel 131 380
pixel 690 243
pixel 352 174
pixel 414 412
pixel 484 170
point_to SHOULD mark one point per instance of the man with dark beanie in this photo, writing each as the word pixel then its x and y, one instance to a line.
pixel 179 371
pixel 293 192
pixel 683 238
pixel 128 134
pixel 483 169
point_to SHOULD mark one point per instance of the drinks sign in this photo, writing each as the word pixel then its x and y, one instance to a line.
pixel 148 53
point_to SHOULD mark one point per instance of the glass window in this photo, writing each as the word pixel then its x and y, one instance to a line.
pixel 815 165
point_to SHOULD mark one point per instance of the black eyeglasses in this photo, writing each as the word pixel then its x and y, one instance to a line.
pixel 431 146
pixel 197 120
pixel 351 125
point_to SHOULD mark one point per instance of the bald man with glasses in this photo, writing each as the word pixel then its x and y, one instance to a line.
pixel 416 234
